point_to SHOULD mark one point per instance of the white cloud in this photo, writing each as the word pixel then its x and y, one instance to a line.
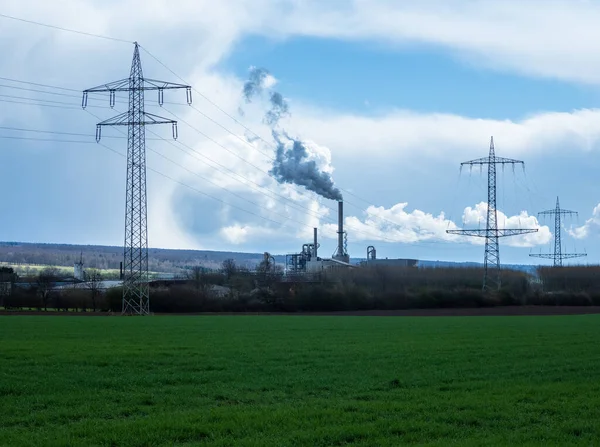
pixel 477 216
pixel 398 225
pixel 405 133
pixel 558 39
pixel 591 225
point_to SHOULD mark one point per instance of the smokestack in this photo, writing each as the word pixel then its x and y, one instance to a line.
pixel 341 228
pixel 315 242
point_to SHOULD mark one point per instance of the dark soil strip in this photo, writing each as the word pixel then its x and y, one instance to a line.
pixel 482 311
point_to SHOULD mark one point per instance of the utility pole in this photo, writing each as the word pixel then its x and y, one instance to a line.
pixel 558 255
pixel 491 231
pixel 136 294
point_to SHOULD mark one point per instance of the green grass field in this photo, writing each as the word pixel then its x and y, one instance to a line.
pixel 299 381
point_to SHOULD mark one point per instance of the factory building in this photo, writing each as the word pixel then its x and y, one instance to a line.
pixel 308 262
pixel 373 261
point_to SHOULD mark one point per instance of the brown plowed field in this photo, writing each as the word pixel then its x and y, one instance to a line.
pixel 489 311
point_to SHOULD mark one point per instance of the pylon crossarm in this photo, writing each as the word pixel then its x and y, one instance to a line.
pixel 573 255
pixel 155 119
pixel 153 84
pixel 516 231
pixel 473 233
pixel 119 120
pixel 487 160
pixel 542 255
pixel 123 120
pixel 115 86
pixel 505 161
pixel 498 233
pixel 561 212
pixel 478 161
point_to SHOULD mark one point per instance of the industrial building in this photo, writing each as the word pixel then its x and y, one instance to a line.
pixel 307 261
pixel 372 260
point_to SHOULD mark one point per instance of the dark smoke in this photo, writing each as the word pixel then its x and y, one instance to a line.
pixel 291 164
pixel 251 137
pixel 279 108
pixel 255 83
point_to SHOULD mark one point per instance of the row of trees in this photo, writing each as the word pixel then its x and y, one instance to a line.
pixel 234 289
pixel 41 292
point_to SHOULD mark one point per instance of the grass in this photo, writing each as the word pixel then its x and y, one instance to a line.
pixel 310 381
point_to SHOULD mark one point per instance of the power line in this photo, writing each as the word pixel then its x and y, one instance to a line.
pixel 166 67
pixel 200 93
pixel 40 91
pixel 242 158
pixel 40 105
pixel 271 194
pixel 8 137
pixel 230 116
pixel 243 140
pixel 207 117
pixel 176 75
pixel 54 132
pixel 246 128
pixel 60 28
pixel 180 119
pixel 49 101
pixel 196 190
pixel 371 236
pixel 41 85
pixel 67 95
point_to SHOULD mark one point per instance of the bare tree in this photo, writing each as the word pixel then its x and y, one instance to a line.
pixel 198 276
pixel 45 282
pixel 93 281
pixel 268 271
pixel 229 268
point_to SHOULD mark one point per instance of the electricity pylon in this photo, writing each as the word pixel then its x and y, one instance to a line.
pixel 558 255
pixel 491 231
pixel 136 294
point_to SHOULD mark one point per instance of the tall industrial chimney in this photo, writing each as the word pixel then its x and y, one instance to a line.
pixel 340 251
pixel 315 242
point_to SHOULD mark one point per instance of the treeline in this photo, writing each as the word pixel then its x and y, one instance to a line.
pixel 367 288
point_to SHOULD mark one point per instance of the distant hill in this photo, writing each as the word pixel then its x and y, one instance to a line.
pixel 109 257
pixel 160 260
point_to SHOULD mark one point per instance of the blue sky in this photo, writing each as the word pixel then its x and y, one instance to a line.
pixel 389 96
pixel 372 78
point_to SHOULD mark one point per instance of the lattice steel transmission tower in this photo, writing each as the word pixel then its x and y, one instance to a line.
pixel 136 296
pixel 558 255
pixel 491 231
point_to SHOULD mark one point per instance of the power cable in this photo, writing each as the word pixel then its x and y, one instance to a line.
pixel 160 62
pixel 370 236
pixel 24 98
pixel 234 119
pixel 8 137
pixel 252 146
pixel 194 189
pixel 54 132
pixel 203 134
pixel 256 167
pixel 60 28
pixel 172 72
pixel 40 105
